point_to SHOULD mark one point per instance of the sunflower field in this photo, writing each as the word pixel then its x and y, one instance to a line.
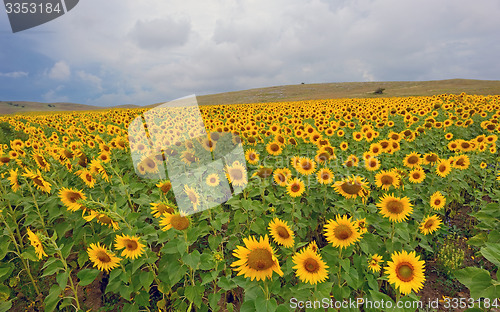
pixel 392 200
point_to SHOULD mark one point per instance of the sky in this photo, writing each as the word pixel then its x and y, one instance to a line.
pixel 116 52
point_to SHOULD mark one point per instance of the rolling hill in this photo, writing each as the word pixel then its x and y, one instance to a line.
pixel 298 92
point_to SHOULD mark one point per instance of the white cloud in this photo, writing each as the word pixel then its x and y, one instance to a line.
pixel 16 74
pixel 93 80
pixel 53 96
pixel 160 33
pixel 60 71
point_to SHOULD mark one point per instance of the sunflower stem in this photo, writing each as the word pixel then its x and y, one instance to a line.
pixel 13 238
pixel 66 269
pixel 38 210
pixel 340 267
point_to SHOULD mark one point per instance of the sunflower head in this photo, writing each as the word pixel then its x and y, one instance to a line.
pixel 281 233
pixel 309 266
pixel 131 246
pixel 256 259
pixel 341 232
pixel 406 271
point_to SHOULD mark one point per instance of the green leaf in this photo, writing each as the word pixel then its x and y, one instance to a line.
pixel 62 279
pixel 52 298
pixel 5 306
pixel 194 294
pixel 87 276
pixel 213 300
pixel 478 281
pixel 264 305
pixel 248 306
pixel 226 284
pixel 146 279
pixel 54 267
pixel 492 253
pixel 4 246
pixel 192 259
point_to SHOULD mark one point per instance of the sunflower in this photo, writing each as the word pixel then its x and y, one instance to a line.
pixel 437 201
pixel 37 243
pixel 237 174
pixel 295 187
pixel 395 208
pixel 374 263
pixel 212 179
pixel 412 160
pixel 70 198
pixel 386 179
pixel 281 176
pixel 263 172
pixel 86 177
pixel 256 259
pixel 309 266
pixel 188 157
pixel 372 164
pixel 193 196
pixel 352 187
pixel 406 271
pixel 274 148
pixel 341 232
pixel 430 224
pixel 324 176
pixel 461 162
pixel 483 165
pixel 149 164
pixel 252 156
pixel 4 160
pixel 430 158
pixel 174 220
pixel 13 179
pixel 351 161
pixel 159 209
pixel 102 218
pixel 306 166
pixel 96 167
pixel 131 246
pixel 417 175
pixel 39 181
pixel 344 145
pixel 443 168
pixel 164 186
pixel 362 225
pixel 41 162
pixel 281 233
pixel 103 259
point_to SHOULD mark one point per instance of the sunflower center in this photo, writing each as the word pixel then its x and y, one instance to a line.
pixel 88 177
pixel 179 222
pixel 442 168
pixel 431 158
pixel 311 265
pixel 164 208
pixel 165 187
pixel 281 177
pixel 342 232
pixel 405 272
pixel 416 175
pixel 429 224
pixel 251 156
pixel 395 207
pixel 38 181
pixel 413 160
pixel 295 187
pixel 103 256
pixel 437 202
pixel 73 197
pixel 282 232
pixel 350 188
pixel 274 147
pixel 325 176
pixel 260 259
pixel 460 162
pixel 236 174
pixel 306 165
pixel 387 180
pixel 192 197
pixel 150 163
pixel 131 245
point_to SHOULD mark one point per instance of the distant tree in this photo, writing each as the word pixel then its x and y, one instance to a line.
pixel 379 91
